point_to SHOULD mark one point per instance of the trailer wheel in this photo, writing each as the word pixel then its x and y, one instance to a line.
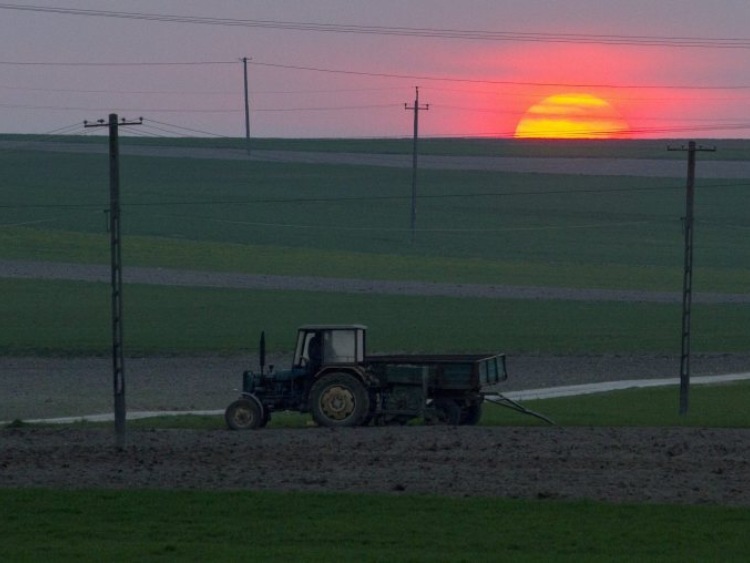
pixel 447 411
pixel 245 414
pixel 339 399
pixel 374 401
pixel 471 415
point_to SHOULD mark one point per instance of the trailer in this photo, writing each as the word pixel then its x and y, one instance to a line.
pixel 340 385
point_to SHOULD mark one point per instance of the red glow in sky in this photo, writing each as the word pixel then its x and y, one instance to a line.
pixel 355 83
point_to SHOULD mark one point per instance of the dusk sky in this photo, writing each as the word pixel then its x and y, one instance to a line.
pixel 667 68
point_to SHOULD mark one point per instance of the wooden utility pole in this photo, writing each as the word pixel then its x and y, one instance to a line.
pixel 247 108
pixel 687 280
pixel 118 362
pixel 416 108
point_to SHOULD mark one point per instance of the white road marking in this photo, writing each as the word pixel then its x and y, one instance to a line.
pixel 528 395
pixel 588 388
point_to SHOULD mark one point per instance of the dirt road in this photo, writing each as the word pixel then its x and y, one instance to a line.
pixel 23 269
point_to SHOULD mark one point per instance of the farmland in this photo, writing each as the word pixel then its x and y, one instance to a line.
pixel 244 216
pixel 536 235
pixel 252 216
pixel 544 224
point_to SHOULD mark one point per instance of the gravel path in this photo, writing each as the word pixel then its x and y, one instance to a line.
pixel 162 276
pixel 34 388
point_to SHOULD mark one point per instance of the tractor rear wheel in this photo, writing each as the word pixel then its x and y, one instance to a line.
pixel 339 399
pixel 245 414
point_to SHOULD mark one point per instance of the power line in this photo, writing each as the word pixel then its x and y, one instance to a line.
pixel 701 125
pixel 434 33
pixel 329 108
pixel 73 127
pixel 111 64
pixel 327 90
pixel 465 91
pixel 610 97
pixel 562 115
pixel 380 228
pixel 122 109
pixel 29 140
pixel 194 110
pixel 433 78
pixel 399 76
pixel 147 134
pixel 149 92
pixel 181 128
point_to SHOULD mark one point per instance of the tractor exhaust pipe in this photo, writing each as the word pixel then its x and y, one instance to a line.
pixel 262 351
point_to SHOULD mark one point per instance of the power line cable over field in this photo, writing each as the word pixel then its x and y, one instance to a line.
pixel 427 32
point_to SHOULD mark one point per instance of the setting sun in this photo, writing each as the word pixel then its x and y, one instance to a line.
pixel 571 116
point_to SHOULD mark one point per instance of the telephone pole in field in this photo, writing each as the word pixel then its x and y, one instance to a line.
pixel 118 362
pixel 247 107
pixel 416 108
pixel 687 280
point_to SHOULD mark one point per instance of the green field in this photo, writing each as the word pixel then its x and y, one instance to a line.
pixel 242 526
pixel 24 243
pixel 542 223
pixel 72 318
pixel 350 221
pixel 353 221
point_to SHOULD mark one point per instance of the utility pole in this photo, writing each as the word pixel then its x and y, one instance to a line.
pixel 416 108
pixel 118 362
pixel 247 108
pixel 687 280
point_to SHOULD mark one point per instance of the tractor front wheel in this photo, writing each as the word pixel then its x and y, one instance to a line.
pixel 245 414
pixel 339 399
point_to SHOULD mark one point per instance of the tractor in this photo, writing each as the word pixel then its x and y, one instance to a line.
pixel 333 379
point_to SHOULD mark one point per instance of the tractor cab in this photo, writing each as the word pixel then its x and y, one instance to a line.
pixel 320 346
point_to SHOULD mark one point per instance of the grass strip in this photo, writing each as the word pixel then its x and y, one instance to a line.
pixel 710 406
pixel 72 318
pixel 40 525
